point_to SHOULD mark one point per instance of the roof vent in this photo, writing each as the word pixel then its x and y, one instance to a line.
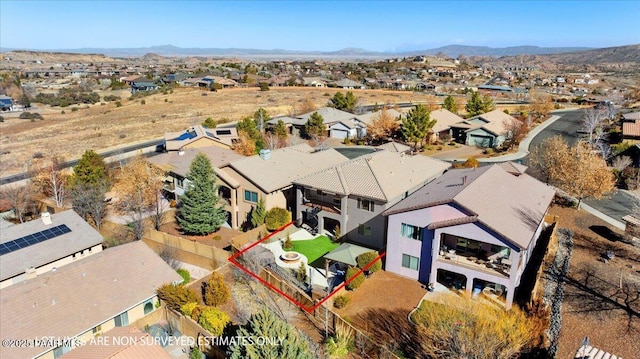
pixel 46 217
pixel 181 152
pixel 265 154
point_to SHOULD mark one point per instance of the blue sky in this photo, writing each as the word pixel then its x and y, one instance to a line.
pixel 317 25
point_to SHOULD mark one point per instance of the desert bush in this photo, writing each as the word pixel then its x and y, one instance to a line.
pixel 67 97
pixel 186 276
pixel 1 119
pixel 110 98
pixel 143 102
pixel 176 295
pixel 277 217
pixel 209 123
pixel 365 258
pixel 214 320
pixel 118 104
pixel 341 301
pixel 215 291
pixel 340 344
pixel 188 308
pixel 30 116
pixel 489 151
pixel 74 109
pixel 263 86
pixel 355 282
pixel 38 155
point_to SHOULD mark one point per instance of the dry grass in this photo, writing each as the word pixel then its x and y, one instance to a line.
pixel 106 126
pixel 594 304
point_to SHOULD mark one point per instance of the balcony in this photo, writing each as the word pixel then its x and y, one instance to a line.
pixel 323 206
pixel 499 267
pixel 169 186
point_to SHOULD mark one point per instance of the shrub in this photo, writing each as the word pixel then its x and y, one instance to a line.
pixel 488 151
pixel 277 217
pixel 341 344
pixel 301 273
pixel 143 102
pixel 214 320
pixel 209 123
pixel 110 98
pixel 365 258
pixel 30 116
pixel 38 155
pixel 263 86
pixel 215 291
pixel 118 104
pixel 355 282
pixel 188 308
pixel 203 94
pixel 186 276
pixel 288 243
pixel 195 313
pixel 62 112
pixel 74 109
pixel 341 301
pixel 176 295
pixel 195 353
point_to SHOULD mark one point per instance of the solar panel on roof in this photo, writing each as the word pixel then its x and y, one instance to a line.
pixel 34 238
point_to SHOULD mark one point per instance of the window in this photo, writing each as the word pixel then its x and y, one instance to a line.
pixel 364 230
pixel 410 231
pixel 319 192
pixel 504 252
pixel 365 204
pixel 180 182
pixel 250 196
pixel 97 329
pixel 410 262
pixel 336 201
pixel 148 307
pixel 122 320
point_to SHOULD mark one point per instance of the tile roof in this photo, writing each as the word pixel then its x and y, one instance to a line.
pixel 496 121
pixel 82 236
pixel 444 119
pixel 632 116
pixel 285 165
pixel 512 206
pixel 394 147
pixel 179 164
pixel 382 175
pixel 81 295
pixel 368 118
pixel 134 345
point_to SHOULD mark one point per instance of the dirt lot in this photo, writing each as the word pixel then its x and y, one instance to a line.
pixel 106 126
pixel 594 304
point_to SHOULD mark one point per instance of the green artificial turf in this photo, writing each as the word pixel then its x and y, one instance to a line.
pixel 314 248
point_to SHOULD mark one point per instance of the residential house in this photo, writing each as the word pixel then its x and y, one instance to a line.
pixel 343 121
pixel 39 246
pixel 199 136
pixel 142 84
pixel 314 82
pixel 631 130
pixel 174 78
pixel 83 299
pixel 352 195
pixel 270 176
pixel 176 166
pixel 444 120
pixel 395 147
pixel 120 343
pixel 470 229
pixel 349 84
pixel 489 129
pixel 6 103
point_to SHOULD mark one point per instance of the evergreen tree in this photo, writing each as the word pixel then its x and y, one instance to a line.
pixel 90 170
pixel 249 127
pixel 259 213
pixel 280 130
pixel 199 212
pixel 450 104
pixel 416 125
pixel 351 102
pixel 478 105
pixel 346 102
pixel 264 323
pixel 261 117
pixel 315 128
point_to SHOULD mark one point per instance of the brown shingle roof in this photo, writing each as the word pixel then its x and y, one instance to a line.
pixel 631 129
pixel 82 236
pixel 81 295
pixel 444 119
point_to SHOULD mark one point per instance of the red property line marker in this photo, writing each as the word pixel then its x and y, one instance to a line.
pixel 234 261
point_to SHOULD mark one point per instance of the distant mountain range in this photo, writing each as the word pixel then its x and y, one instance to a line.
pixel 451 51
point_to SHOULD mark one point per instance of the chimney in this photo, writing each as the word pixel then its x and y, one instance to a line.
pixel 265 154
pixel 464 180
pixel 31 273
pixel 46 217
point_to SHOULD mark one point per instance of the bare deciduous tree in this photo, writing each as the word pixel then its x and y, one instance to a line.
pixel 89 202
pixel 22 199
pixel 382 126
pixel 515 130
pixel 592 124
pixel 52 181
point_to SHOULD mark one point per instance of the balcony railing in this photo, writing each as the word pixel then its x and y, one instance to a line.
pixel 467 260
pixel 323 206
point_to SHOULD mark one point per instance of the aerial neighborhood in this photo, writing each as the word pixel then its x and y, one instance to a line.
pixel 235 203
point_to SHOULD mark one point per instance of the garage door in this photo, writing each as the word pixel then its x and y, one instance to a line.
pixel 339 134
pixel 480 141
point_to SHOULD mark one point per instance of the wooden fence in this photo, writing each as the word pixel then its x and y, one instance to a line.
pixel 211 254
pixel 240 241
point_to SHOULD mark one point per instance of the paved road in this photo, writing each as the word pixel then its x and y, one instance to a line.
pixel 618 204
pixel 106 154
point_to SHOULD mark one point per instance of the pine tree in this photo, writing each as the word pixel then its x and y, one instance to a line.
pixel 199 212
pixel 216 291
pixel 416 125
pixel 292 343
pixel 478 105
pixel 280 130
pixel 315 128
pixel 450 104
pixel 259 213
pixel 90 170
